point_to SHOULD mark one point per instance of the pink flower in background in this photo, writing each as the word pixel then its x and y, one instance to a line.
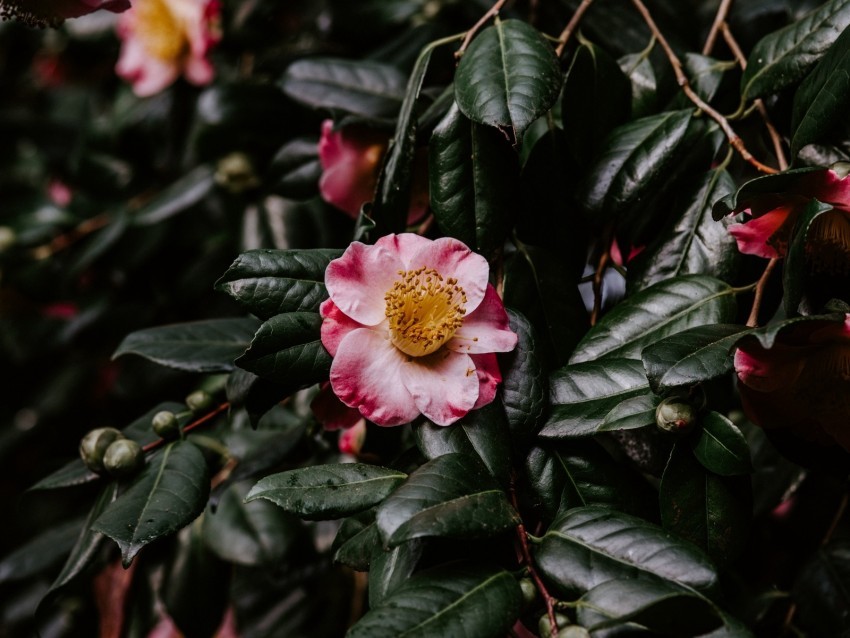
pixel 53 12
pixel 413 325
pixel 164 39
pixel 802 383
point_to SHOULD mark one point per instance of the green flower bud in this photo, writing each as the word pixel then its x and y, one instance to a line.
pixel 165 424
pixel 123 458
pixel 235 173
pixel 675 415
pixel 7 238
pixel 573 631
pixel 529 591
pixel 94 444
pixel 199 400
pixel 544 628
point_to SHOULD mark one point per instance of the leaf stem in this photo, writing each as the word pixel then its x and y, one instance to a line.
pixel 736 142
pixel 477 26
pixel 717 25
pixel 63 241
pixel 571 26
pixel 753 319
pixel 191 426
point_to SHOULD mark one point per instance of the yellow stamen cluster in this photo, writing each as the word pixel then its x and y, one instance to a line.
pixel 828 243
pixel 160 30
pixel 424 310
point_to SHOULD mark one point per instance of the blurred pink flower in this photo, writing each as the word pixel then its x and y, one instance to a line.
pixel 413 325
pixel 802 383
pixel 53 12
pixel 351 440
pixel 163 39
pixel 332 413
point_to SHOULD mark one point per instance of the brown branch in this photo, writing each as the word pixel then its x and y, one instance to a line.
pixel 719 21
pixel 191 426
pixel 471 33
pixel 753 319
pixel 571 26
pixel 682 79
pixel 63 241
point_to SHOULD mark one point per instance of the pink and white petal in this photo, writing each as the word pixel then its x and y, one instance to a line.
pixel 489 378
pixel 332 413
pixel 335 326
pixel 366 374
pixel 829 187
pixel 358 281
pixel 444 385
pixel 405 245
pixel 486 329
pixel 346 187
pixel 452 258
pixel 330 145
pixel 769 370
pixel 198 71
pixel 754 236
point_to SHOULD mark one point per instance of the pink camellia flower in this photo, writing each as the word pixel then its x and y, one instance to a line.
pixel 52 12
pixel 351 160
pixel 163 39
pixel 413 325
pixel 773 215
pixel 802 383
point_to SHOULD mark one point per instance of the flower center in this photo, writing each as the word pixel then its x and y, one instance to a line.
pixel 424 310
pixel 828 243
pixel 160 30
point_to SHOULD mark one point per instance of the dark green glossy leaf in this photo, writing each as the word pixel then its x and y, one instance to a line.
pixel 711 511
pixel 357 541
pixel 483 433
pixel 644 96
pixel 650 315
pixel 41 552
pixel 508 77
pixel 766 335
pixel 583 394
pixel 195 346
pixel 295 169
pixel 525 388
pixel 822 591
pixel 455 601
pixel 168 494
pixel 691 356
pixel 72 473
pixel 821 101
pixel 721 447
pixel 363 87
pixel 705 74
pixel 328 491
pixel 633 413
pixel 270 282
pixel 180 196
pixel 795 268
pixel 473 173
pixel 437 498
pixel 779 183
pixel 288 349
pixel 784 57
pixel 588 546
pixel 391 568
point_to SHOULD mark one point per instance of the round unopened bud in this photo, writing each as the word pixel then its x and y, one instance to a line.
pixel 7 238
pixel 529 591
pixel 544 627
pixel 573 631
pixel 93 446
pixel 123 458
pixel 675 415
pixel 199 400
pixel 235 173
pixel 165 424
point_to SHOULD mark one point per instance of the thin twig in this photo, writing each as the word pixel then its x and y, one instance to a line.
pixel 719 21
pixel 571 26
pixel 194 424
pixel 753 319
pixel 63 241
pixel 598 278
pixel 471 33
pixel 682 79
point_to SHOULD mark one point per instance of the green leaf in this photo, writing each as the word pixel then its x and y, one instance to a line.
pixel 255 533
pixel 177 198
pixel 694 244
pixel 705 75
pixel 287 349
pixel 483 433
pixel 270 282
pixel 635 161
pixel 356 541
pixel 391 568
pixel 328 491
pixel 362 87
pixel 473 173
pixel 661 606
pixel 691 356
pixel 644 95
pixel 508 77
pixel 41 552
pixel 784 57
pixel 454 601
pixel 637 412
pixel 795 268
pixel 711 511
pixel 168 494
pixel 650 315
pixel 766 335
pixel 822 591
pixel 588 546
pixel 821 101
pixel 583 394
pixel 721 447
pixel 295 169
pixel 525 388
pixel 596 98
pixel 194 346
pixel 437 498
pixel 751 191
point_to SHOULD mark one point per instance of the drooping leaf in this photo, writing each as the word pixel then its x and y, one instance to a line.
pixel 525 388
pixel 795 268
pixel 270 282
pixel 287 349
pixel 436 500
pixel 588 546
pixel 721 447
pixel 508 77
pixel 644 97
pixel 177 198
pixel 168 494
pixel 454 601
pixel 784 57
pixel 390 568
pixel 822 591
pixel 196 346
pixel 650 315
pixel 583 394
pixel 691 356
pixel 328 491
pixel 41 552
pixel 633 413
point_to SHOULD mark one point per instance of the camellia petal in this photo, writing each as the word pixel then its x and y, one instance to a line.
pixel 767 370
pixel 452 259
pixel 332 413
pixel 335 326
pixel 486 329
pixel 489 378
pixel 758 236
pixel 444 385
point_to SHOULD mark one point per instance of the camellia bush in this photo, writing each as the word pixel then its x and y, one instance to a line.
pixel 444 318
